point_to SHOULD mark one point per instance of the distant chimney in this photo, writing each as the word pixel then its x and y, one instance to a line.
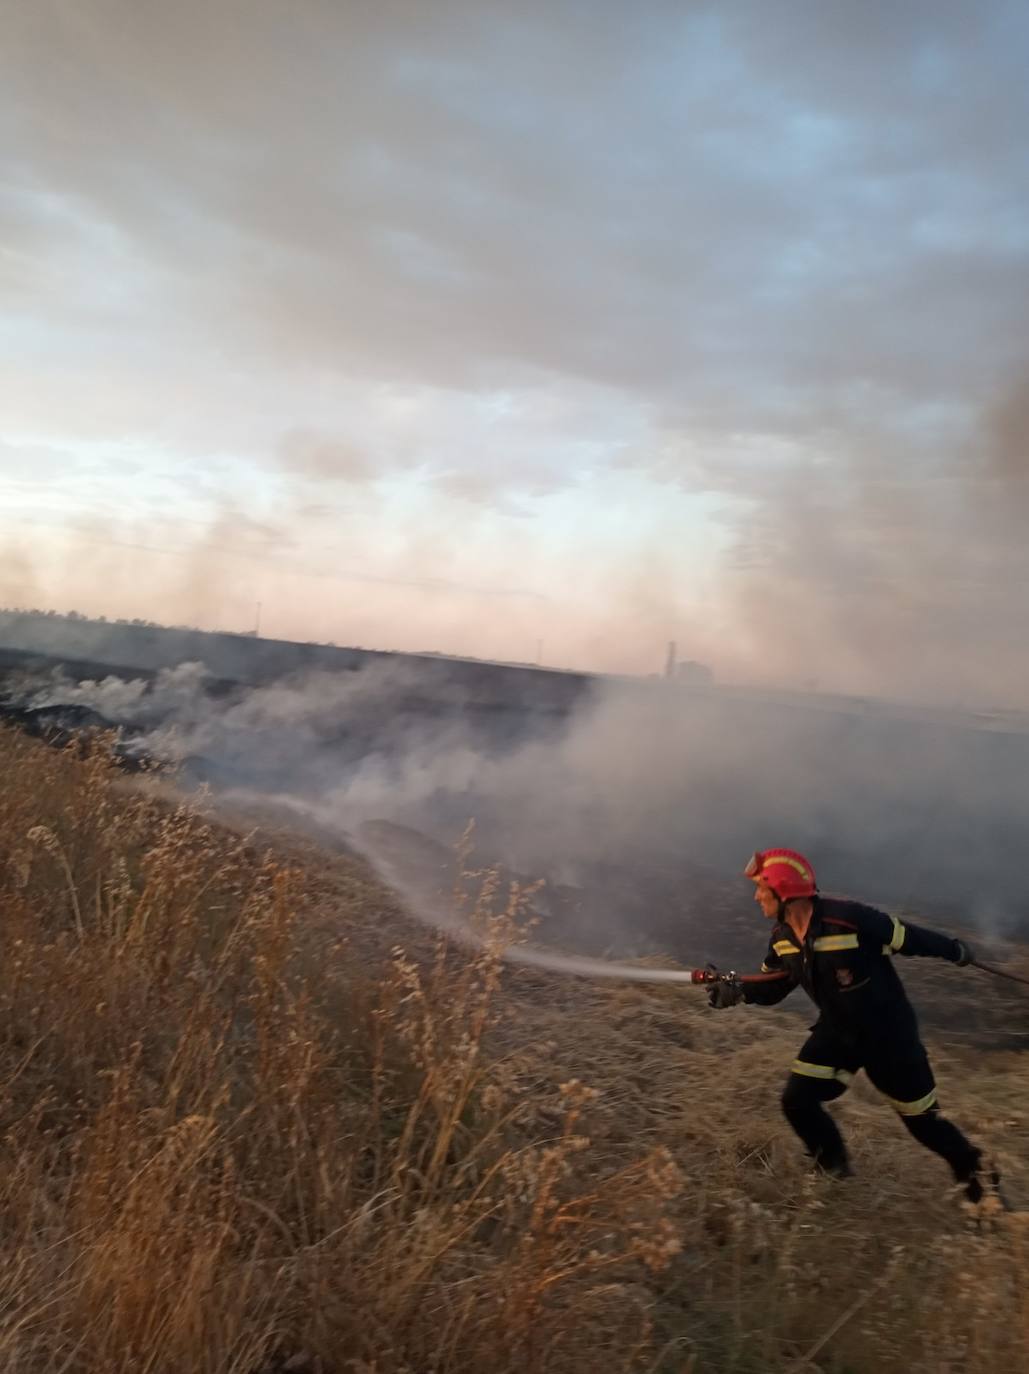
pixel 670 660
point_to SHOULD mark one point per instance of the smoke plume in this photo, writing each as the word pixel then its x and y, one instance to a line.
pixel 639 804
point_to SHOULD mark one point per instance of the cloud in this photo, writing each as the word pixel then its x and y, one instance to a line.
pixel 33 463
pixel 324 458
pixel 503 256
pixel 1007 437
pixel 599 219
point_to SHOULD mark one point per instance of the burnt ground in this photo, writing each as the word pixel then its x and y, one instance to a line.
pixel 702 915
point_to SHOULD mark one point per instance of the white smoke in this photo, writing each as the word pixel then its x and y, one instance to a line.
pixel 646 796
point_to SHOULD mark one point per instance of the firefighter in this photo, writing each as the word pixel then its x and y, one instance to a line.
pixel 841 954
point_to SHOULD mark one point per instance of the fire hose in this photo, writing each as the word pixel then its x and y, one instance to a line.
pixel 710 975
pixel 999 972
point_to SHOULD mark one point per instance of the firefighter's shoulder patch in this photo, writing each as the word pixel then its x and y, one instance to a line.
pixel 844 977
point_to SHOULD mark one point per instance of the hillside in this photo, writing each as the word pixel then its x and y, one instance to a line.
pixel 254 1118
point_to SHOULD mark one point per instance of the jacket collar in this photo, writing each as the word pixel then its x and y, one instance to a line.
pixel 785 931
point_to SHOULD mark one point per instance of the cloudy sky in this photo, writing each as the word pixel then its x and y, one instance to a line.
pixel 503 329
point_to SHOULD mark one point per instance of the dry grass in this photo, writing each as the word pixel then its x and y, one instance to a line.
pixel 238 1122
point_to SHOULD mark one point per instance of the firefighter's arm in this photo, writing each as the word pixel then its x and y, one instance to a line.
pixel 901 937
pixel 766 994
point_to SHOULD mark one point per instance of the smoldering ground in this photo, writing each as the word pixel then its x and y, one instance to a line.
pixel 638 807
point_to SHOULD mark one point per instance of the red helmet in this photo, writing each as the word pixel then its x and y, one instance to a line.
pixel 785 871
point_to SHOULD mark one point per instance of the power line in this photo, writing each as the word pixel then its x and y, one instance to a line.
pixel 298 569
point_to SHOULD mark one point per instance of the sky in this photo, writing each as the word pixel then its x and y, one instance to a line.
pixel 550 331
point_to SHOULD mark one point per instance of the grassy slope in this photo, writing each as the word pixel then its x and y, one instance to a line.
pixel 237 1124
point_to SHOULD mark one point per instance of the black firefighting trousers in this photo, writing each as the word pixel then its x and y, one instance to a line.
pixel 900 1071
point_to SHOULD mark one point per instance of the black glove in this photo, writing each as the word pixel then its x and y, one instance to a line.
pixel 963 954
pixel 725 994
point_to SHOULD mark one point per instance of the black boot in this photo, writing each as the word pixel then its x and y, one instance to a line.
pixel 834 1166
pixel 983 1185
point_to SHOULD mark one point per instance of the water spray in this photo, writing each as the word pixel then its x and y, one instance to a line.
pixel 435 913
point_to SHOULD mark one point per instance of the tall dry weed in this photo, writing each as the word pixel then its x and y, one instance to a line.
pixel 249 1119
pixel 223 1141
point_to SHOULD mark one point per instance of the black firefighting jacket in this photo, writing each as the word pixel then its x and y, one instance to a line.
pixel 845 965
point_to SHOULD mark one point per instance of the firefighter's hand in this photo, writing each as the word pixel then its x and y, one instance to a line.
pixel 963 954
pixel 725 994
